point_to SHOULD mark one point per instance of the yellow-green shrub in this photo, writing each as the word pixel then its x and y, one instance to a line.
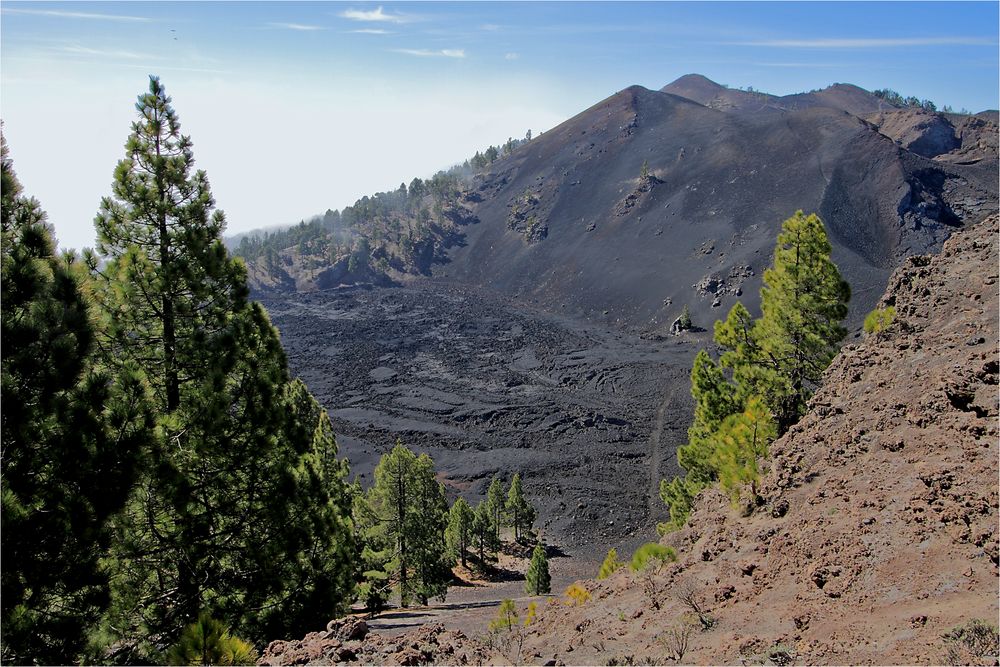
pixel 880 319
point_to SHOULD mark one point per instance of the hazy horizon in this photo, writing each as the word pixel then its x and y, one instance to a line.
pixel 295 108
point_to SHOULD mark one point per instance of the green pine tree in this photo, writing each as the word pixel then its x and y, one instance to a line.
pixel 610 565
pixel 803 301
pixel 777 360
pixel 71 434
pixel 495 505
pixel 520 514
pixel 537 580
pixel 460 530
pixel 242 507
pixel 741 441
pixel 715 398
pixel 208 642
pixel 484 530
pixel 410 518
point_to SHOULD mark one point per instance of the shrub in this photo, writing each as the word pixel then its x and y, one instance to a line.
pixel 971 642
pixel 506 631
pixel 687 594
pixel 576 595
pixel 208 642
pixel 880 319
pixel 685 319
pixel 678 636
pixel 650 553
pixel 610 565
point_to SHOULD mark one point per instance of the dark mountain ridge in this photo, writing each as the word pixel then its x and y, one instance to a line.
pixel 700 230
pixel 565 220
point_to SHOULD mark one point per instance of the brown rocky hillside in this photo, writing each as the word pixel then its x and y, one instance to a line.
pixel 880 530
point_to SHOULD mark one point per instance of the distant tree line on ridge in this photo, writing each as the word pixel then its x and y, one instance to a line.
pixel 894 98
pixel 388 230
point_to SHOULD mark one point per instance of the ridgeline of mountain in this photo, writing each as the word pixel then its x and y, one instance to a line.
pixel 571 221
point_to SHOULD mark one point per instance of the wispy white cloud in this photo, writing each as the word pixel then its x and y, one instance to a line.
pixel 175 68
pixel 302 27
pixel 371 31
pixel 428 53
pixel 376 15
pixel 490 27
pixel 794 64
pixel 511 56
pixel 59 13
pixel 866 43
pixel 107 53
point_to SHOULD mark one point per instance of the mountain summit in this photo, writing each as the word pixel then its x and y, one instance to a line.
pixel 650 200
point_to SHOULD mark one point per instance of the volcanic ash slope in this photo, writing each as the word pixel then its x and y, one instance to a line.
pixel 880 530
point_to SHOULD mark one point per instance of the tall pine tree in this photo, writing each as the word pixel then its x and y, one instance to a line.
pixel 485 530
pixel 242 510
pixel 408 516
pixel 495 505
pixel 774 365
pixel 71 434
pixel 520 513
pixel 459 535
pixel 781 356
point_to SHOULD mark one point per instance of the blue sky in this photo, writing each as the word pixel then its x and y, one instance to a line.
pixel 299 107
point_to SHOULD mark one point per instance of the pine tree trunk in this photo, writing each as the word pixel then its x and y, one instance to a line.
pixel 401 514
pixel 169 332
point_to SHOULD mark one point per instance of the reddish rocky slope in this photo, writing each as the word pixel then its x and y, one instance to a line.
pixel 880 532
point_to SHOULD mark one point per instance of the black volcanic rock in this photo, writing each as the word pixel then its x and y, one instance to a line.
pixel 728 179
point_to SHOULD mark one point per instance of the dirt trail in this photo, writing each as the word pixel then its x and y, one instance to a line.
pixel 657 451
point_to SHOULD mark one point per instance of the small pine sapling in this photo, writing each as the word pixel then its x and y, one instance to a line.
pixel 651 554
pixel 537 580
pixel 610 565
pixel 576 595
pixel 208 642
pixel 880 319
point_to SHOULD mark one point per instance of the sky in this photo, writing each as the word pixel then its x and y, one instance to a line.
pixel 295 108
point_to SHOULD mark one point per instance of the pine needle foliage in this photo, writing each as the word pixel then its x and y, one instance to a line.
pixel 651 554
pixel 485 531
pixel 241 505
pixel 520 514
pixel 879 319
pixel 610 565
pixel 71 432
pixel 459 534
pixel 537 580
pixel 408 520
pixel 741 442
pixel 208 642
pixel 767 371
pixel 576 595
